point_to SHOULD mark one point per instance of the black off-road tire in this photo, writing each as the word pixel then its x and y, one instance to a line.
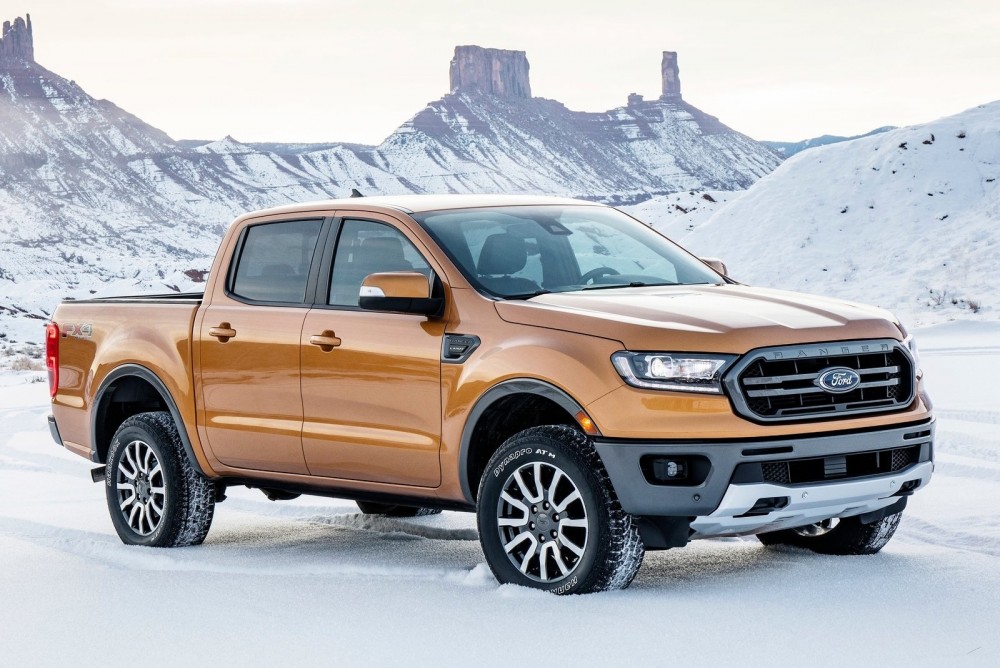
pixel 188 498
pixel 394 510
pixel 848 537
pixel 612 550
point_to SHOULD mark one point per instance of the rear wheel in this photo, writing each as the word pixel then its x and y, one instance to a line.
pixel 154 495
pixel 837 536
pixel 394 510
pixel 549 518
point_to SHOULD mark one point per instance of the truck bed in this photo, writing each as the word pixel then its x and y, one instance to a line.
pixel 99 335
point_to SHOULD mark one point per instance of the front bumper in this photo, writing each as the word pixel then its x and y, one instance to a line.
pixel 723 490
pixel 806 504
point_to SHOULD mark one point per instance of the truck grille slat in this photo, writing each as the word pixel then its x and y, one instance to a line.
pixel 782 383
pixel 812 376
pixel 810 390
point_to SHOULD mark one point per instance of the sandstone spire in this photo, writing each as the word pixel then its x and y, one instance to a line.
pixel 16 44
pixel 671 76
pixel 496 71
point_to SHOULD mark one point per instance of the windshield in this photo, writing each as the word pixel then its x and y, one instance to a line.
pixel 523 251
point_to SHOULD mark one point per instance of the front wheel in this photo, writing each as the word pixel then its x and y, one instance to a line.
pixel 549 518
pixel 154 495
pixel 843 536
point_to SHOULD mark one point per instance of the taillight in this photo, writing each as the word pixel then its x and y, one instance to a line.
pixel 52 356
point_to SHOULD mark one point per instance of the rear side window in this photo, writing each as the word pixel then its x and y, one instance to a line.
pixel 274 262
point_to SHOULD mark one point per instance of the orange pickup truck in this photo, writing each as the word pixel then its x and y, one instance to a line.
pixel 583 384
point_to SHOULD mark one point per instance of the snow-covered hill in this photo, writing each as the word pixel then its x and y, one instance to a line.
pixel 95 201
pixel 908 220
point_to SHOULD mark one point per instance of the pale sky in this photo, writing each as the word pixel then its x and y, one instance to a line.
pixel 353 70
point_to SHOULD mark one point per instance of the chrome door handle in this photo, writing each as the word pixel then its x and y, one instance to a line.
pixel 223 332
pixel 326 341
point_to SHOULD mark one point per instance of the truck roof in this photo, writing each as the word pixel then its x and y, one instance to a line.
pixel 421 203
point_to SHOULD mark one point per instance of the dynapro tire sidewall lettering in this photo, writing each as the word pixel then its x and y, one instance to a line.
pixel 517 455
pixel 514 456
pixel 566 587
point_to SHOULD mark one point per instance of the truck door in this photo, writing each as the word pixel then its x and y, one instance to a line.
pixel 372 401
pixel 249 347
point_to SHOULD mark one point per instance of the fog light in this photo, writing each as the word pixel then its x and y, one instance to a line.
pixel 670 469
pixel 676 470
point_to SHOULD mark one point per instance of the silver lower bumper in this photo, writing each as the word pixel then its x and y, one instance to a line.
pixel 806 503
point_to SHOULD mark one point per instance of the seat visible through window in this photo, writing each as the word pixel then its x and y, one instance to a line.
pixel 503 255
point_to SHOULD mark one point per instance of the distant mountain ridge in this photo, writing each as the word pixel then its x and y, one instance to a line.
pixel 93 199
pixel 789 148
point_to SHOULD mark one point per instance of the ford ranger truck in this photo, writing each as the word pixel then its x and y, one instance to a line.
pixel 585 386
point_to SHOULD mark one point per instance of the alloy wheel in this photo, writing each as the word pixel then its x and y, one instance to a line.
pixel 542 522
pixel 142 494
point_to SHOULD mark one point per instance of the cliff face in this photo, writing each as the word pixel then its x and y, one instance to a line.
pixel 17 44
pixel 494 71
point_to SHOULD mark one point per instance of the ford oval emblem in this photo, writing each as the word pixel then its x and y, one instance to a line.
pixel 838 379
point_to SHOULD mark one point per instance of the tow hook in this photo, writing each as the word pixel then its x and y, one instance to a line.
pixel 97 475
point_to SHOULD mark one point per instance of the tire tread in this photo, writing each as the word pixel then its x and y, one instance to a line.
pixel 194 493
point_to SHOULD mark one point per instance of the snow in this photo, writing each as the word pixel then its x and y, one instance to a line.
pixel 908 220
pixel 311 581
pixel 679 213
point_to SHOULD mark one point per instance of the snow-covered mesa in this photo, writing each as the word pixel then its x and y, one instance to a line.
pixel 908 220
pixel 313 582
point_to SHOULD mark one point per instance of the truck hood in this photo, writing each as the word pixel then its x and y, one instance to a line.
pixel 702 318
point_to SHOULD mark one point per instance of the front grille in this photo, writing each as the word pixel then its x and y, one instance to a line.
pixel 839 467
pixel 781 384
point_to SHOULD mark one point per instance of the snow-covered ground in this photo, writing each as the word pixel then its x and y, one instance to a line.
pixel 312 582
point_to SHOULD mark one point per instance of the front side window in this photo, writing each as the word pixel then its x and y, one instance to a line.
pixel 274 261
pixel 520 251
pixel 364 248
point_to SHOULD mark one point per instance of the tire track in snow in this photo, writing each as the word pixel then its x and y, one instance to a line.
pixel 311 558
pixel 43 457
pixel 982 417
pixel 966 471
pixel 922 531
pixel 392 525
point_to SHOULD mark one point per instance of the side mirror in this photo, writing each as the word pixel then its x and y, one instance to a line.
pixel 716 264
pixel 399 292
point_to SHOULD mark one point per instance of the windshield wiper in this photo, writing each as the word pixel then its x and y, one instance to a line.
pixel 632 284
pixel 528 295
